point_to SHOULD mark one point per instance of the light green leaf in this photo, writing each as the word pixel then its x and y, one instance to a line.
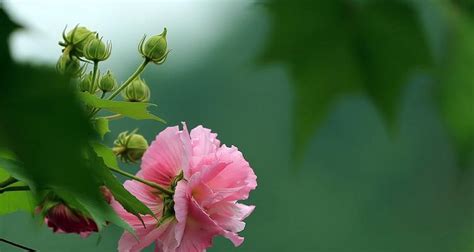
pixel 134 110
pixel 14 201
pixel 101 125
pixel 104 152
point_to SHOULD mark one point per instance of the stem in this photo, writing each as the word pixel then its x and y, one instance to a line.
pixel 146 182
pixel 112 117
pixel 14 189
pixel 94 75
pixel 16 245
pixel 8 181
pixel 130 79
pixel 126 83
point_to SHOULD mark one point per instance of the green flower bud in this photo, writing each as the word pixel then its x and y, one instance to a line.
pixel 76 39
pixel 137 91
pixel 87 84
pixel 107 83
pixel 155 48
pixel 130 147
pixel 70 66
pixel 96 50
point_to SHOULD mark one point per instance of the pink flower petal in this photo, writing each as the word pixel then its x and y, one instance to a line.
pixel 166 157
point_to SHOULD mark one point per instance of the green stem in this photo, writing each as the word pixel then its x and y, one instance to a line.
pixel 8 181
pixel 112 117
pixel 146 182
pixel 126 83
pixel 130 79
pixel 94 76
pixel 14 189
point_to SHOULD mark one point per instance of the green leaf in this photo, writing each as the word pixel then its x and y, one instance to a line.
pixel 134 110
pixel 373 50
pixel 107 155
pixel 14 201
pixel 101 125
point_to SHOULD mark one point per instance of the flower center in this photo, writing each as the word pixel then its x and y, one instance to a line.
pixel 168 202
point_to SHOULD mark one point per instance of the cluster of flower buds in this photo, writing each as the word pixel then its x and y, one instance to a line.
pixel 82 46
pixel 129 147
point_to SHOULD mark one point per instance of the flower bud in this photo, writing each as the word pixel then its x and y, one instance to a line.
pixel 155 48
pixel 87 84
pixel 62 218
pixel 76 39
pixel 137 91
pixel 70 66
pixel 96 50
pixel 130 147
pixel 107 83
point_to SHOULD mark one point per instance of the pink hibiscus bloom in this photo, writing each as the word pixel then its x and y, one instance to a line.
pixel 207 179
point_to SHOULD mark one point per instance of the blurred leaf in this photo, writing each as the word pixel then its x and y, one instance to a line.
pixel 45 126
pixel 335 48
pixel 14 201
pixel 456 92
pixel 135 110
pixel 101 125
pixel 466 6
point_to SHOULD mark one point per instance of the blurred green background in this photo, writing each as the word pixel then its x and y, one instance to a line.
pixel 355 115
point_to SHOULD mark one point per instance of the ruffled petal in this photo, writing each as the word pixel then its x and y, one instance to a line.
pixel 166 157
pixel 237 179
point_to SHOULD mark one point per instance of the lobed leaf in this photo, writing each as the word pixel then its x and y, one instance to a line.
pixel 134 110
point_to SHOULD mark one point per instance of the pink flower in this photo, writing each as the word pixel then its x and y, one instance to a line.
pixel 63 219
pixel 207 179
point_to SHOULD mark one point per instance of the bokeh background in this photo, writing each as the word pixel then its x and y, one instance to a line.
pixel 357 116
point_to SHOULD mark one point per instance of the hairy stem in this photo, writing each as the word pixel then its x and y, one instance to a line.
pixel 146 182
pixel 8 181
